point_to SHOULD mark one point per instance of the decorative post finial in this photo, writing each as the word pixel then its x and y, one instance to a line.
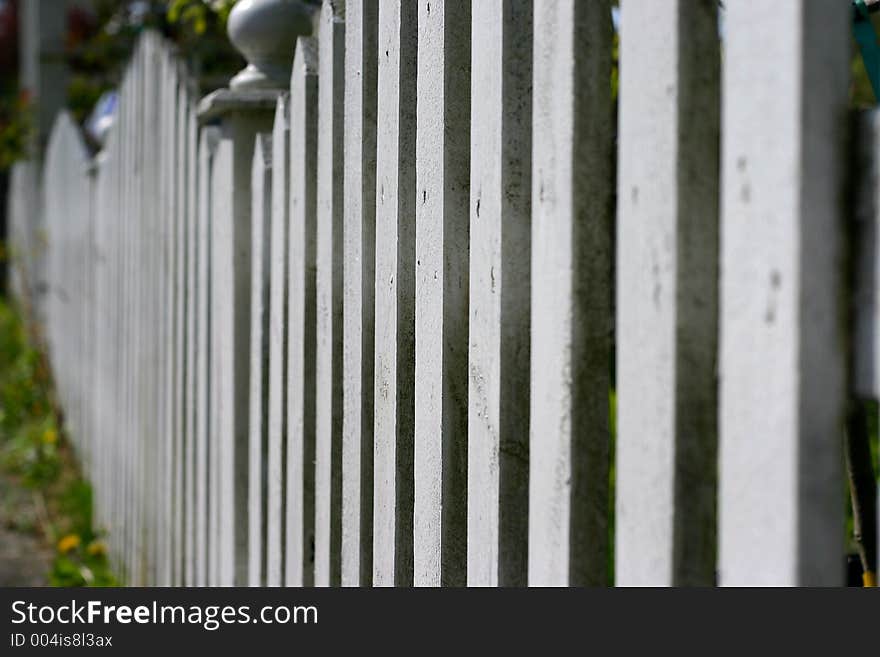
pixel 265 32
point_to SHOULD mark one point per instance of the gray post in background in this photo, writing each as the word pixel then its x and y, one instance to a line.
pixel 43 68
pixel 265 34
pixel 43 72
pixel 242 115
pixel 207 146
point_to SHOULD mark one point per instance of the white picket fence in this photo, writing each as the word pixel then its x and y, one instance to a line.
pixel 363 332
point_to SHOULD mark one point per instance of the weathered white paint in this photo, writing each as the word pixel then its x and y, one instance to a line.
pixel 150 330
pixel 442 215
pixel 395 295
pixel 781 388
pixel 161 300
pixel 192 327
pixel 208 141
pixel 328 300
pixel 571 294
pixel 300 469
pixel 359 187
pixel 277 382
pixel 667 308
pixel 261 211
pixel 221 434
pixel 242 115
pixel 498 347
pixel 179 237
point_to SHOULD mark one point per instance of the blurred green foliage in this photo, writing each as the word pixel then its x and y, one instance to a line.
pixel 100 42
pixel 198 14
pixel 16 125
pixel 34 454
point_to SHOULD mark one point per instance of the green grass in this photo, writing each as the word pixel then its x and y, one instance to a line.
pixel 35 456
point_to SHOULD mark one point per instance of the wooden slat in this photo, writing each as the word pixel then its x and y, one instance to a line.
pixel 667 300
pixel 395 295
pixel 261 211
pixel 192 328
pixel 441 360
pixel 208 141
pixel 571 294
pixel 361 61
pixel 328 300
pixel 277 382
pixel 179 236
pixel 500 262
pixel 300 468
pixel 785 94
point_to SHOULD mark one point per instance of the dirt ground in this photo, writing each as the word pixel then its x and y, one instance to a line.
pixel 24 555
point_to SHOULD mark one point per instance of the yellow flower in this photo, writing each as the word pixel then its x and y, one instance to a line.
pixel 50 436
pixel 68 543
pixel 97 548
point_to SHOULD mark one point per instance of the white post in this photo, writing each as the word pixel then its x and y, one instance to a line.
pixel 500 261
pixel 571 294
pixel 277 382
pixel 261 209
pixel 442 215
pixel 180 236
pixel 208 141
pixel 328 300
pixel 785 100
pixel 166 345
pixel 244 115
pixel 300 466
pixel 667 306
pixel 223 434
pixel 243 110
pixel 361 61
pixel 194 253
pixel 395 295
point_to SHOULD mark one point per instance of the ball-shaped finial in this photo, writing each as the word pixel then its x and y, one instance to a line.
pixel 265 32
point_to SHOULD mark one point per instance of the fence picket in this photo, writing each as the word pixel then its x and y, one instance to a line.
pixel 192 326
pixel 395 295
pixel 571 294
pixel 667 307
pixel 180 237
pixel 300 467
pixel 261 211
pixel 277 382
pixel 359 331
pixel 328 299
pixel 441 294
pixel 204 460
pixel 359 187
pixel 500 261
pixel 781 389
